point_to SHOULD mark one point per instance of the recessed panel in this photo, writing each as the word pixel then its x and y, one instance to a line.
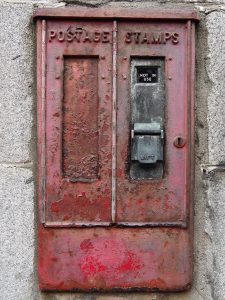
pixel 80 119
pixel 147 118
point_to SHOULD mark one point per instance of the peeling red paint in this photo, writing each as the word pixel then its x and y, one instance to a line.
pixel 92 266
pixel 55 207
pixel 131 263
pixel 86 245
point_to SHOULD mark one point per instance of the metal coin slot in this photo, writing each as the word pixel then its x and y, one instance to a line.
pixel 147 143
pixel 147 118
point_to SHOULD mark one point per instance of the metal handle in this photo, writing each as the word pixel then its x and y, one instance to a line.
pixel 147 143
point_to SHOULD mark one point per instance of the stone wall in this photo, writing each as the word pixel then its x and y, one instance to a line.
pixel 18 161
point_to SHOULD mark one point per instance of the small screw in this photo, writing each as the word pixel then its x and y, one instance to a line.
pixel 179 142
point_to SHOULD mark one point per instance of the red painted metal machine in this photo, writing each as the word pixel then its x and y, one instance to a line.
pixel 115 148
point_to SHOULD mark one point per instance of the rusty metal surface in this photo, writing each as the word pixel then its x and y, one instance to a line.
pixel 118 13
pixel 106 259
pixel 83 83
pixel 163 200
pixel 78 122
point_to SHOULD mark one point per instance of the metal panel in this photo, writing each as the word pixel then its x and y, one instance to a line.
pixel 158 201
pixel 118 13
pixel 115 259
pixel 99 229
pixel 78 123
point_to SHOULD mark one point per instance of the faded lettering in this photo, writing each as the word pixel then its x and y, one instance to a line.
pixel 79 35
pixel 156 37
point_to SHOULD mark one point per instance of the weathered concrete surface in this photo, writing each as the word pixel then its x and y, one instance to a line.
pixel 17 94
pixel 16 82
pixel 216 145
pixel 216 72
pixel 17 233
pixel 215 213
pixel 17 143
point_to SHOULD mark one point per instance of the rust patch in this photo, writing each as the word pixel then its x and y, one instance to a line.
pixel 80 122
pixel 131 263
pixel 86 245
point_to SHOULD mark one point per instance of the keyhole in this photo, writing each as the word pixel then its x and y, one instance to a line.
pixel 179 142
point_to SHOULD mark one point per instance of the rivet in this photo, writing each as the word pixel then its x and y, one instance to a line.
pixel 103 57
pixel 170 58
pixel 124 77
pixel 170 78
pixel 57 57
pixel 103 76
pixel 125 58
pixel 57 76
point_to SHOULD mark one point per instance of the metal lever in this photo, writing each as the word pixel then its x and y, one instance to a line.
pixel 147 143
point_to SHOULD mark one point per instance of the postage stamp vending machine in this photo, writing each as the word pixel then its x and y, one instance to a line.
pixel 115 91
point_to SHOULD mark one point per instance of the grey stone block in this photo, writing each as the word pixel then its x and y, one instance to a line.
pixel 216 219
pixel 16 233
pixel 17 86
pixel 216 98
